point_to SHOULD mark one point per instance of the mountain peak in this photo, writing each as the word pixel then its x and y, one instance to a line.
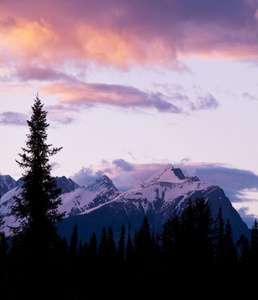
pixel 102 182
pixel 167 174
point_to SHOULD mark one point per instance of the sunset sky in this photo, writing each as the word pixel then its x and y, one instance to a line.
pixel 132 85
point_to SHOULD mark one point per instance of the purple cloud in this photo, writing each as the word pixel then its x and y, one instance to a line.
pixel 86 176
pixel 126 175
pixel 81 93
pixel 206 102
pixel 249 96
pixel 233 181
pixel 121 33
pixel 13 118
pixel 41 73
pixel 123 165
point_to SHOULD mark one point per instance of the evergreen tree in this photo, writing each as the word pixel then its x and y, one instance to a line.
pixel 92 257
pixel 121 245
pixel 188 231
pixel 81 248
pixel 93 248
pixel 143 237
pixel 37 209
pixel 230 248
pixel 254 243
pixel 203 219
pixel 74 243
pixel 142 242
pixel 219 238
pixel 197 222
pixel 129 247
pixel 243 245
pixel 111 246
pixel 103 244
pixel 171 237
pixel 3 246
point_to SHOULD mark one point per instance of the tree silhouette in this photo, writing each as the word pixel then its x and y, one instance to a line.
pixel 37 209
pixel 74 243
pixel 219 238
pixel 254 243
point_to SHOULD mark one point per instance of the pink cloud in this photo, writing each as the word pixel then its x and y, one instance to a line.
pixel 117 95
pixel 78 94
pixel 120 33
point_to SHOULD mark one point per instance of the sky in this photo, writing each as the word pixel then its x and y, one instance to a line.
pixel 132 85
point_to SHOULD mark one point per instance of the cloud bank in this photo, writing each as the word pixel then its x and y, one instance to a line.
pixel 55 41
pixel 115 32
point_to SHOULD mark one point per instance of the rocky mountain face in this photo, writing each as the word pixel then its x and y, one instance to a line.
pixel 83 199
pixel 164 193
pixel 6 184
pixel 101 204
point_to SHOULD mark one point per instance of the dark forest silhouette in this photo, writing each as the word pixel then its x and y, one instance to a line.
pixel 194 255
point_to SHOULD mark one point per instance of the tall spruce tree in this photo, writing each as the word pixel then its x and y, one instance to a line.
pixel 37 209
pixel 111 245
pixel 73 249
pixel 129 247
pixel 254 243
pixel 121 245
pixel 230 247
pixel 219 238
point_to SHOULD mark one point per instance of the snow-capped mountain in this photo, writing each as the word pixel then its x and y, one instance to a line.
pixel 101 204
pixel 15 189
pixel 6 184
pixel 6 203
pixel 165 192
pixel 66 185
pixel 82 199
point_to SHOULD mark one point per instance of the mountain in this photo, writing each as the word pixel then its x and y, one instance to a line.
pixel 6 184
pixel 82 199
pixel 13 189
pixel 101 204
pixel 165 192
pixel 66 184
pixel 6 203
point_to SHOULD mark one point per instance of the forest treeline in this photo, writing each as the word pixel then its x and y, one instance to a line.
pixel 193 255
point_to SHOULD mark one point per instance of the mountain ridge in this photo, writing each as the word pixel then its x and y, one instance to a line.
pixel 101 204
pixel 165 192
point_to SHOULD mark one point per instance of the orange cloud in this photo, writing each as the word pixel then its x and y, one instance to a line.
pixel 29 40
pixel 43 43
pixel 121 33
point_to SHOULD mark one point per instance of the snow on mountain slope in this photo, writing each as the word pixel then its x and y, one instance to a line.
pixel 6 184
pixel 75 201
pixel 165 185
pixel 6 203
pixel 101 204
pixel 78 201
pixel 168 174
pixel 164 193
pixel 7 199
